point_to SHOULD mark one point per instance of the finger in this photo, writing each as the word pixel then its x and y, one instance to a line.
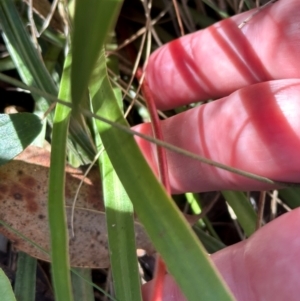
pixel 256 129
pixel 264 267
pixel 268 262
pixel 171 291
pixel 222 58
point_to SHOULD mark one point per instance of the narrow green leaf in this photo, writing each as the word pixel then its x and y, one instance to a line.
pixel 56 202
pixel 291 197
pixel 25 278
pixel 210 243
pixel 120 228
pixel 6 63
pixel 92 22
pixel 167 228
pixel 86 278
pixel 165 225
pixel 242 208
pixel 182 252
pixel 17 132
pixel 195 201
pixel 6 291
pixel 119 210
pixel 25 56
pixel 126 129
pixel 222 13
pixel 82 289
pixel 32 69
pixel 88 39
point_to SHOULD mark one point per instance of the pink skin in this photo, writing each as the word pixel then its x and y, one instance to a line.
pixel 264 267
pixel 255 128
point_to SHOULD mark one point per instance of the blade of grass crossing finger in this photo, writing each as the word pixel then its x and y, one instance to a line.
pixel 243 209
pixel 92 21
pixel 183 253
pixel 56 209
pixel 24 287
pixel 118 207
pixel 165 225
pixel 6 291
pixel 171 147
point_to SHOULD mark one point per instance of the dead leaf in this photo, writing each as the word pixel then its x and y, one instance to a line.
pixel 23 206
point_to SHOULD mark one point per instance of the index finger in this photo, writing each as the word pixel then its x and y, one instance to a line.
pixel 218 60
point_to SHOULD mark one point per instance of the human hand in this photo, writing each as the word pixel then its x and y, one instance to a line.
pixel 264 267
pixel 256 128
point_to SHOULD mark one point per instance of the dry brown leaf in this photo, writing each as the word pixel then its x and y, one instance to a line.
pixel 23 206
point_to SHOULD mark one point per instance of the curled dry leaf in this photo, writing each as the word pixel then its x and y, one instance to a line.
pixel 23 206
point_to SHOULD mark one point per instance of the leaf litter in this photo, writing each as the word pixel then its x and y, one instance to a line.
pixel 23 207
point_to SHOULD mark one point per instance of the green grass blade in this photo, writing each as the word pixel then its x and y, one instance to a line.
pixel 291 197
pixel 25 278
pixel 221 12
pixel 125 128
pixel 242 208
pixel 82 289
pixel 88 280
pixel 120 228
pixel 25 56
pixel 56 203
pixel 210 243
pixel 119 210
pixel 24 72
pixel 88 39
pixel 6 291
pixel 195 201
pixel 32 69
pixel 51 57
pixel 170 233
pixel 6 63
pixel 166 227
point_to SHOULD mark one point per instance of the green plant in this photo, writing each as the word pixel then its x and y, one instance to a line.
pixel 85 97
